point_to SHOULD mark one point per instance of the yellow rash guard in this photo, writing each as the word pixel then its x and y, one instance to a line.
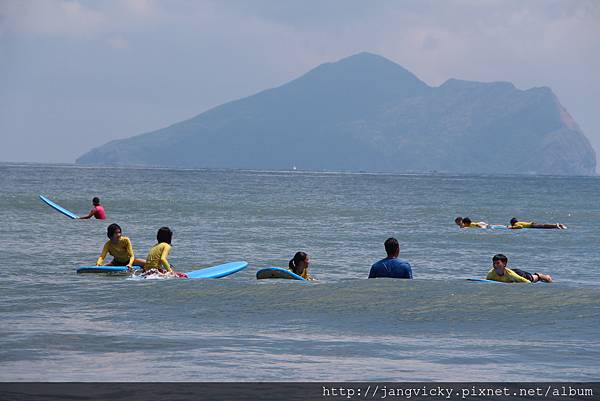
pixel 304 274
pixel 157 257
pixel 476 225
pixel 523 224
pixel 122 251
pixel 509 276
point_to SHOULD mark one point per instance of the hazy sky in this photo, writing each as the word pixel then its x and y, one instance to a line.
pixel 76 74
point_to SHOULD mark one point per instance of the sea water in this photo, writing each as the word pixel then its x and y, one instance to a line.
pixel 57 325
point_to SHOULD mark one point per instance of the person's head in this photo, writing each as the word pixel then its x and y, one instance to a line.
pixel 113 232
pixel 459 221
pixel 513 221
pixel 96 201
pixel 466 221
pixel 392 247
pixel 299 262
pixel 164 234
pixel 500 261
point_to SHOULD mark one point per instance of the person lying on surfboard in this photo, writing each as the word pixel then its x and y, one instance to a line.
pixel 503 274
pixel 299 265
pixel 516 224
pixel 465 222
pixel 120 248
pixel 156 261
pixel 97 210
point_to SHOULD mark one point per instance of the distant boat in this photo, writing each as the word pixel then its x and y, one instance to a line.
pixel 294 168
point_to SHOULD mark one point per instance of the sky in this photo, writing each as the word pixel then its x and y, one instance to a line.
pixel 77 74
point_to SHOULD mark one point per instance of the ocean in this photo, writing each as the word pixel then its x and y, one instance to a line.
pixel 61 326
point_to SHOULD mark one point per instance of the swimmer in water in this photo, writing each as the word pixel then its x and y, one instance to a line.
pixel 299 265
pixel 391 266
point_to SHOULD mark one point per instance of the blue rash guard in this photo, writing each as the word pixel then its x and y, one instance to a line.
pixel 391 267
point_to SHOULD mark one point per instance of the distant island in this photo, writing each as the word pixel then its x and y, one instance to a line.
pixel 367 113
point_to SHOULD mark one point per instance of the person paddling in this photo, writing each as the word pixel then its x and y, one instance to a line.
pixel 97 210
pixel 465 222
pixel 516 224
pixel 500 272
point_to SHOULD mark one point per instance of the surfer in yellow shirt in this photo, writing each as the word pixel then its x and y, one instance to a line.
pixel 156 261
pixel 465 222
pixel 516 224
pixel 503 274
pixel 120 248
pixel 299 265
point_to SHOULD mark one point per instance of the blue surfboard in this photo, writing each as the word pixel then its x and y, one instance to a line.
pixel 497 227
pixel 104 269
pixel 277 272
pixel 501 227
pixel 218 271
pixel 58 208
pixel 209 272
pixel 482 280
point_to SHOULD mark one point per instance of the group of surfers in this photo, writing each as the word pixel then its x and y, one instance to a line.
pixel 393 267
pixel 515 224
pixel 120 248
pixel 157 263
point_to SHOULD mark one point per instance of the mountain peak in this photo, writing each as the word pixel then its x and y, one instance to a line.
pixel 365 57
pixel 367 65
pixel 364 76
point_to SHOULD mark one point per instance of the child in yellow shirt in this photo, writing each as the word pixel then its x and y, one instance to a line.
pixel 156 261
pixel 503 274
pixel 120 248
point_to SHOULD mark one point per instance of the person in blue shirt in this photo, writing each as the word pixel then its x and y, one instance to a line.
pixel 391 266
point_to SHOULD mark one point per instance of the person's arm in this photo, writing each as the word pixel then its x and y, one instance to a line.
pixel 163 258
pixel 100 260
pixel 130 253
pixel 516 277
pixel 371 273
pixel 89 215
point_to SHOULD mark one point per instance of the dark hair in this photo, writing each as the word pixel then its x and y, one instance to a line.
pixel 500 257
pixel 298 257
pixel 96 200
pixel 458 220
pixel 466 221
pixel 164 234
pixel 513 221
pixel 391 246
pixel 112 229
